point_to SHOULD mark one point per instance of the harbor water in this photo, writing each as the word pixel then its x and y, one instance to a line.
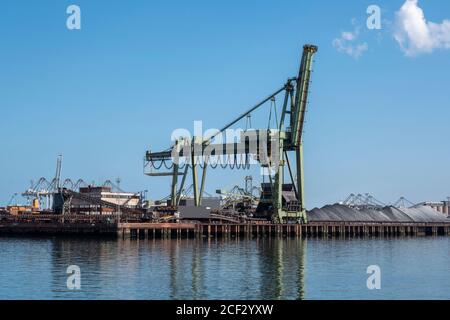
pixel 264 268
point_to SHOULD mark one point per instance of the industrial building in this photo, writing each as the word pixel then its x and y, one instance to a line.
pixel 124 199
pixel 440 206
pixel 188 210
pixel 96 200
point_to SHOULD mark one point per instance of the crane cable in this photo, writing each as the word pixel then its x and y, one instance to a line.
pixel 273 105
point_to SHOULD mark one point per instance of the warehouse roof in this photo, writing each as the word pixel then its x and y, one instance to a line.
pixel 340 213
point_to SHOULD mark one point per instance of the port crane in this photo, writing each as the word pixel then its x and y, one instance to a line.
pixel 287 138
pixel 12 199
pixel 46 189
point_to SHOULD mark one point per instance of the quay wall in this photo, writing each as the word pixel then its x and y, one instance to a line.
pixel 185 229
pixel 323 229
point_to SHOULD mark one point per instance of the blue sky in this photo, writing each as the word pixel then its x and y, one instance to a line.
pixel 137 70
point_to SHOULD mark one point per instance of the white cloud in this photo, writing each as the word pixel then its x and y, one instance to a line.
pixel 346 43
pixel 415 34
pixel 349 36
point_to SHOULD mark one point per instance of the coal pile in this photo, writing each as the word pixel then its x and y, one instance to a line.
pixel 343 213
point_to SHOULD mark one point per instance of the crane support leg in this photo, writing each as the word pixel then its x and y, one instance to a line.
pixel 290 173
pixel 183 180
pixel 195 181
pixel 173 196
pixel 202 187
pixel 301 182
pixel 278 186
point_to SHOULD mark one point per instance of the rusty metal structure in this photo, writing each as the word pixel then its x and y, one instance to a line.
pixel 270 148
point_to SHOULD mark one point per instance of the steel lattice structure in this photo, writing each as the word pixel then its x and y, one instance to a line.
pixel 286 137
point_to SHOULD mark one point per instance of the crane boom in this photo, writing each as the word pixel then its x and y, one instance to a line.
pixel 301 95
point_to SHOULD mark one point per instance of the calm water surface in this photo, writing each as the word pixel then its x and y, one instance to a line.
pixel 412 268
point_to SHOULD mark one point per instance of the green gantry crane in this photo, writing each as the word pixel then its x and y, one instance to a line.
pixel 271 148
